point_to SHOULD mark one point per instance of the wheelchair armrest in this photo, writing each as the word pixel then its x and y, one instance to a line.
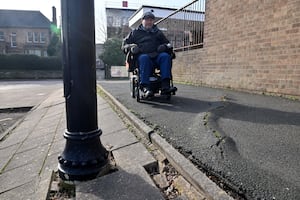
pixel 170 51
pixel 131 61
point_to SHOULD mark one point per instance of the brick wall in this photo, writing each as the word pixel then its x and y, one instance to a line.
pixel 248 45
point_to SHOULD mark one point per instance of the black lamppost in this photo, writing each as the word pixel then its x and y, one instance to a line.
pixel 84 157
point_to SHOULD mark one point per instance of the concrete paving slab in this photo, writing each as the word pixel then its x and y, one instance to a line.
pixel 102 105
pixel 104 109
pixel 35 155
pixel 60 130
pixel 31 143
pixel 18 177
pixel 49 123
pixel 106 130
pixel 57 146
pixel 135 154
pixel 118 139
pixel 43 185
pixel 6 154
pixel 15 138
pixel 55 112
pixel 34 115
pixel 52 162
pixel 106 125
pixel 120 185
pixel 25 191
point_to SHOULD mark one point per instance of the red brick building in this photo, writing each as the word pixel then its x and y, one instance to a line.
pixel 248 45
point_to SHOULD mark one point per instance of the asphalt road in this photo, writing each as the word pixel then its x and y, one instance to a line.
pixel 251 142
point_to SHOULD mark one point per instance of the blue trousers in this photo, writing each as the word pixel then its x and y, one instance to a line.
pixel 146 66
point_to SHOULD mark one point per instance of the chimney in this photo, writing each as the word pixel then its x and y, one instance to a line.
pixel 124 4
pixel 54 21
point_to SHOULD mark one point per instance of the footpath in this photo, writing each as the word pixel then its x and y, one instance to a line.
pixel 28 157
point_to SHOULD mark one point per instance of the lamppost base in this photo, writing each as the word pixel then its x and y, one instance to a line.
pixel 84 157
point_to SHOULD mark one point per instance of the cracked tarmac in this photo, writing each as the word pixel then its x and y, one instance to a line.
pixel 249 140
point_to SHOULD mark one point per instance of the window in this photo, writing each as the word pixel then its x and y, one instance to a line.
pixel 35 52
pixel 117 23
pixel 110 21
pixel 36 37
pixel 124 21
pixel 13 40
pixel 42 37
pixel 29 37
pixel 1 36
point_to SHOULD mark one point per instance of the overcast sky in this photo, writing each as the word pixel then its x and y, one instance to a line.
pixel 45 6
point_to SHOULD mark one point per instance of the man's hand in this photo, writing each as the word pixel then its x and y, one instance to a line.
pixel 130 47
pixel 135 49
pixel 161 48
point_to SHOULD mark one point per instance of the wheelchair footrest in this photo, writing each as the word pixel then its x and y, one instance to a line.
pixel 170 91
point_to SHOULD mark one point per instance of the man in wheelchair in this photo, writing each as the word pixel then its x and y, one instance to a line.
pixel 151 50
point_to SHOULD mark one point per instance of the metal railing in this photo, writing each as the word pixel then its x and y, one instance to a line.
pixel 185 26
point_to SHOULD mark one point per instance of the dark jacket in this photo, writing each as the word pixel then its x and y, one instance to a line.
pixel 147 40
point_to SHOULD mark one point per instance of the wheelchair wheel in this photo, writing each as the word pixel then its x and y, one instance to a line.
pixel 132 87
pixel 137 93
pixel 168 97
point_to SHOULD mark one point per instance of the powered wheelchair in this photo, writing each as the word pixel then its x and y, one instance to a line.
pixel 155 79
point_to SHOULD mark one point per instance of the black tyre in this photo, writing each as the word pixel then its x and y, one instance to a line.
pixel 168 97
pixel 133 87
pixel 138 97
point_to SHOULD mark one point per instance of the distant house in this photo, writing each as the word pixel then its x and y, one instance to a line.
pixel 117 22
pixel 24 32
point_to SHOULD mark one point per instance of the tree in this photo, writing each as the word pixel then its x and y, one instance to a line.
pixel 54 47
pixel 112 54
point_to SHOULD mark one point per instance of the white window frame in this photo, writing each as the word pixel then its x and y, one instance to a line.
pixel 2 38
pixel 36 37
pixel 29 37
pixel 36 52
pixel 42 37
pixel 13 39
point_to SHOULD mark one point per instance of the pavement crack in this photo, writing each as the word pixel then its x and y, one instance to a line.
pixel 13 168
pixel 217 144
pixel 222 139
pixel 127 145
pixel 56 104
pixel 16 187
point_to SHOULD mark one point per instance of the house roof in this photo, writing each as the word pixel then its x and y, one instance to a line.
pixel 23 19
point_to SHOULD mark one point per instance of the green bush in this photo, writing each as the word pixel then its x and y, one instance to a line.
pixel 29 62
pixel 112 54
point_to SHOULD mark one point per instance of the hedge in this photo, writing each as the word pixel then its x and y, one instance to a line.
pixel 29 62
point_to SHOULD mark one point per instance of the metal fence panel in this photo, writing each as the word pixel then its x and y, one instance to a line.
pixel 185 26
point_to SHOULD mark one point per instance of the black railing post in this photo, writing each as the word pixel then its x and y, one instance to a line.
pixel 84 157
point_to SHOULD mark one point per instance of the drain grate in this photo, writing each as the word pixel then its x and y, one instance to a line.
pixel 9 117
